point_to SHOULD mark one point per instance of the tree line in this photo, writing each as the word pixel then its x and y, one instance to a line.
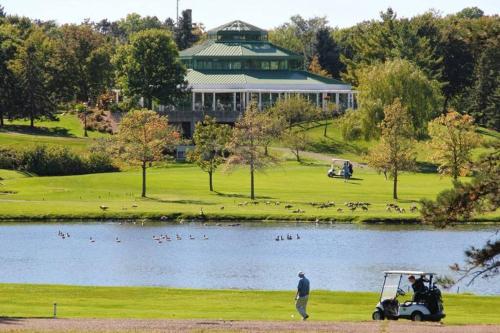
pixel 457 52
pixel 45 67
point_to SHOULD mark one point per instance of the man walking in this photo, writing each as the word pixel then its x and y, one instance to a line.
pixel 302 296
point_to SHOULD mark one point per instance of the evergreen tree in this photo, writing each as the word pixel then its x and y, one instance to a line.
pixel 184 34
pixel 484 95
pixel 328 52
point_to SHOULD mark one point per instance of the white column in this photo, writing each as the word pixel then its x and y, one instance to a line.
pixel 323 101
pixel 194 102
pixel 317 99
pixel 234 101
pixel 203 101
pixel 213 101
pixel 260 101
pixel 337 101
pixel 270 99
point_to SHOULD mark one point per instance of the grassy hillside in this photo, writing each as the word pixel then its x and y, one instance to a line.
pixel 333 143
pixel 67 131
pixel 142 302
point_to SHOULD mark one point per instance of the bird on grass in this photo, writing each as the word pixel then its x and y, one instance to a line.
pixel 104 207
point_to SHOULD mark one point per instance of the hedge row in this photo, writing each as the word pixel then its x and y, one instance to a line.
pixel 54 161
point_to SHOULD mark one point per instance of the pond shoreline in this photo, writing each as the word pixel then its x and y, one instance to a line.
pixel 181 217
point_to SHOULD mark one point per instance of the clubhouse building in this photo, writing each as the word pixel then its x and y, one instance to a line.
pixel 236 65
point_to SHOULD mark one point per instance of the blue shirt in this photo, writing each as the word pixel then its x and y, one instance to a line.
pixel 303 287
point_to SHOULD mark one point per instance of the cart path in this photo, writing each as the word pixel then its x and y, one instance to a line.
pixel 136 325
pixel 317 156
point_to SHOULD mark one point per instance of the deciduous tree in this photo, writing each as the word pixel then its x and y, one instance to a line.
pixel 31 70
pixel 210 141
pixel 395 152
pixel 149 66
pixel 296 141
pixel 453 138
pixel 380 84
pixel 245 144
pixel 295 109
pixel 144 136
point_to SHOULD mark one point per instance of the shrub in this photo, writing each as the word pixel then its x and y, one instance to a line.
pixel 9 158
pixel 350 125
pixel 55 161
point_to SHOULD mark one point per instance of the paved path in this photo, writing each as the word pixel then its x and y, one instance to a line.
pixel 133 325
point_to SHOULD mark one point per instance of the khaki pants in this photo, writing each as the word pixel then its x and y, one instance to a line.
pixel 301 305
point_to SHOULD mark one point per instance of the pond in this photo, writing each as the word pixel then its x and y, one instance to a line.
pixel 246 256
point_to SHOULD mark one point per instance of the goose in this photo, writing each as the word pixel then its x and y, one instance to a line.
pixel 103 207
pixel 117 240
pixel 191 237
pixel 277 238
pixel 298 237
pixel 205 237
pixel 92 240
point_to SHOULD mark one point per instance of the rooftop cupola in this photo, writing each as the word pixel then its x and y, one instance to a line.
pixel 237 31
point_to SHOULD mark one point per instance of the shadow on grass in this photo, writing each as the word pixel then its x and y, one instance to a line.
pixel 334 147
pixel 182 202
pixel 18 320
pixel 240 196
pixel 44 131
pixel 426 167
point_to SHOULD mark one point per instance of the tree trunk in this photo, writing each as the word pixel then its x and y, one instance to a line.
pixel 297 155
pixel 148 103
pixel 266 152
pixel 326 127
pixel 395 185
pixel 1 119
pixel 210 181
pixel 143 180
pixel 32 121
pixel 445 104
pixel 252 192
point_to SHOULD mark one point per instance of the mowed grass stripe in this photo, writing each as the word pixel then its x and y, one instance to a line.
pixel 23 300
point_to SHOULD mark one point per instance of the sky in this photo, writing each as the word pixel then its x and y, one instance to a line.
pixel 263 13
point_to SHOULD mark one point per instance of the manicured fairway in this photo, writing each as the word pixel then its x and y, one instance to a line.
pixel 17 300
pixel 182 189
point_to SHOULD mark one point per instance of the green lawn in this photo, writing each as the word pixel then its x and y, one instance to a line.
pixel 182 189
pixel 67 131
pixel 18 300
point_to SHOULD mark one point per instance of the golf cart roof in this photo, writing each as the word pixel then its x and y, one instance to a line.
pixel 409 273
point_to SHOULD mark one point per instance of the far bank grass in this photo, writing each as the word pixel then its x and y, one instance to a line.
pixel 19 300
pixel 181 191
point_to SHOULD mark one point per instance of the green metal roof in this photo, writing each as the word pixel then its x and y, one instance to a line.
pixel 213 49
pixel 236 26
pixel 262 80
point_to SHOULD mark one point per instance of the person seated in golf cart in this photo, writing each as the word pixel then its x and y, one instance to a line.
pixel 419 288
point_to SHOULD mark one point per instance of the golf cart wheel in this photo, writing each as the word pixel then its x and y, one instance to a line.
pixel 417 316
pixel 378 315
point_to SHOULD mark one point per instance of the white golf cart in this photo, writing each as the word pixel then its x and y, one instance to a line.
pixel 425 306
pixel 337 168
